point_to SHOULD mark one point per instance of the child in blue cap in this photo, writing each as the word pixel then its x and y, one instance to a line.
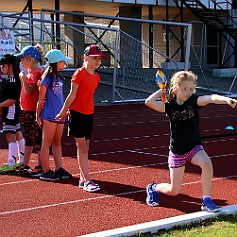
pixel 31 57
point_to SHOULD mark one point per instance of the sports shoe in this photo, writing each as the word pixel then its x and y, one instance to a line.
pixel 81 184
pixel 36 172
pixel 209 205
pixel 24 169
pixel 152 196
pixel 6 169
pixel 49 176
pixel 18 164
pixel 90 186
pixel 62 173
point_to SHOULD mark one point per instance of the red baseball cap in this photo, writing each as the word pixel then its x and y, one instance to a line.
pixel 94 51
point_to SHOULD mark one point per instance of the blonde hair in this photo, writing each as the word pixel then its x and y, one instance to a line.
pixel 178 78
pixel 40 49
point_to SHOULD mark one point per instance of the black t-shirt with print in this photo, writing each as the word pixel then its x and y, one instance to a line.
pixel 184 125
pixel 11 89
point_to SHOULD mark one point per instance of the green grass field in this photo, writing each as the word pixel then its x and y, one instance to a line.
pixel 221 226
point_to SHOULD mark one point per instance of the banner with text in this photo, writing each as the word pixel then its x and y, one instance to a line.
pixel 7 43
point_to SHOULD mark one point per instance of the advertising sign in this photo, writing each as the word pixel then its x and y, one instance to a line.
pixel 7 43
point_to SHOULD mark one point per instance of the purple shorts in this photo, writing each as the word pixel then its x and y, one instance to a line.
pixel 176 161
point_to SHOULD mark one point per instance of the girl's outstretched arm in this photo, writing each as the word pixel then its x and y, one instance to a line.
pixel 216 99
pixel 153 103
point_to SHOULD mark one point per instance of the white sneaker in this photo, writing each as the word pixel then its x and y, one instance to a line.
pixel 81 184
pixel 90 186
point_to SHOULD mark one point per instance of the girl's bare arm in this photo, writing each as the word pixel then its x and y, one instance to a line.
pixel 70 98
pixel 153 102
pixel 216 99
pixel 40 104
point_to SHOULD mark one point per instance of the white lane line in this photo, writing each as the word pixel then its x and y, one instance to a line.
pixel 70 202
pixel 155 136
pixel 95 172
pixel 146 153
pixel 215 179
pixel 118 169
pixel 158 120
pixel 130 138
pixel 131 123
pixel 129 167
pixel 121 168
pixel 17 182
pixel 95 198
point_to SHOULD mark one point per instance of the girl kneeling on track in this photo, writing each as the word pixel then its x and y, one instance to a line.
pixel 81 106
pixel 185 143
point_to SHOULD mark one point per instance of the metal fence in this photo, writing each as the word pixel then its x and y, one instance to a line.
pixel 128 72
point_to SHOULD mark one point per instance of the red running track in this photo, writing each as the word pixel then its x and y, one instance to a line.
pixel 128 150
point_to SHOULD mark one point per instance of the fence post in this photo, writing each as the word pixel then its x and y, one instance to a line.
pixel 115 64
pixel 42 27
pixel 30 7
pixel 188 44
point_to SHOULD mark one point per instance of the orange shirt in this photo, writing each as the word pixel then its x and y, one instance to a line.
pixel 29 102
pixel 87 84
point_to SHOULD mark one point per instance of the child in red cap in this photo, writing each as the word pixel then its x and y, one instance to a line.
pixel 81 106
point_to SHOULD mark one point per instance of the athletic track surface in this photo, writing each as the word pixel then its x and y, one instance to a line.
pixel 128 150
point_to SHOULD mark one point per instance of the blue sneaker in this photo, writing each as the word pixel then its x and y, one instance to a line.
pixel 209 205
pixel 152 196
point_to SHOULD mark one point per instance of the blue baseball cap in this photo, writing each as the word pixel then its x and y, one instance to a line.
pixel 56 55
pixel 29 51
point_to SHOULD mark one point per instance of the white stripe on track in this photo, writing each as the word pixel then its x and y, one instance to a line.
pixel 69 202
pixel 95 172
pixel 118 169
pixel 17 182
pixel 155 136
pixel 95 198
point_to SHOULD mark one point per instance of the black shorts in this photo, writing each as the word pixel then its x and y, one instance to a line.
pixel 80 125
pixel 10 127
pixel 32 132
pixel 11 120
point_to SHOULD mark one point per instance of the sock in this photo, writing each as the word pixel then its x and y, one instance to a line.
pixel 21 149
pixel 204 196
pixel 12 152
pixel 154 187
